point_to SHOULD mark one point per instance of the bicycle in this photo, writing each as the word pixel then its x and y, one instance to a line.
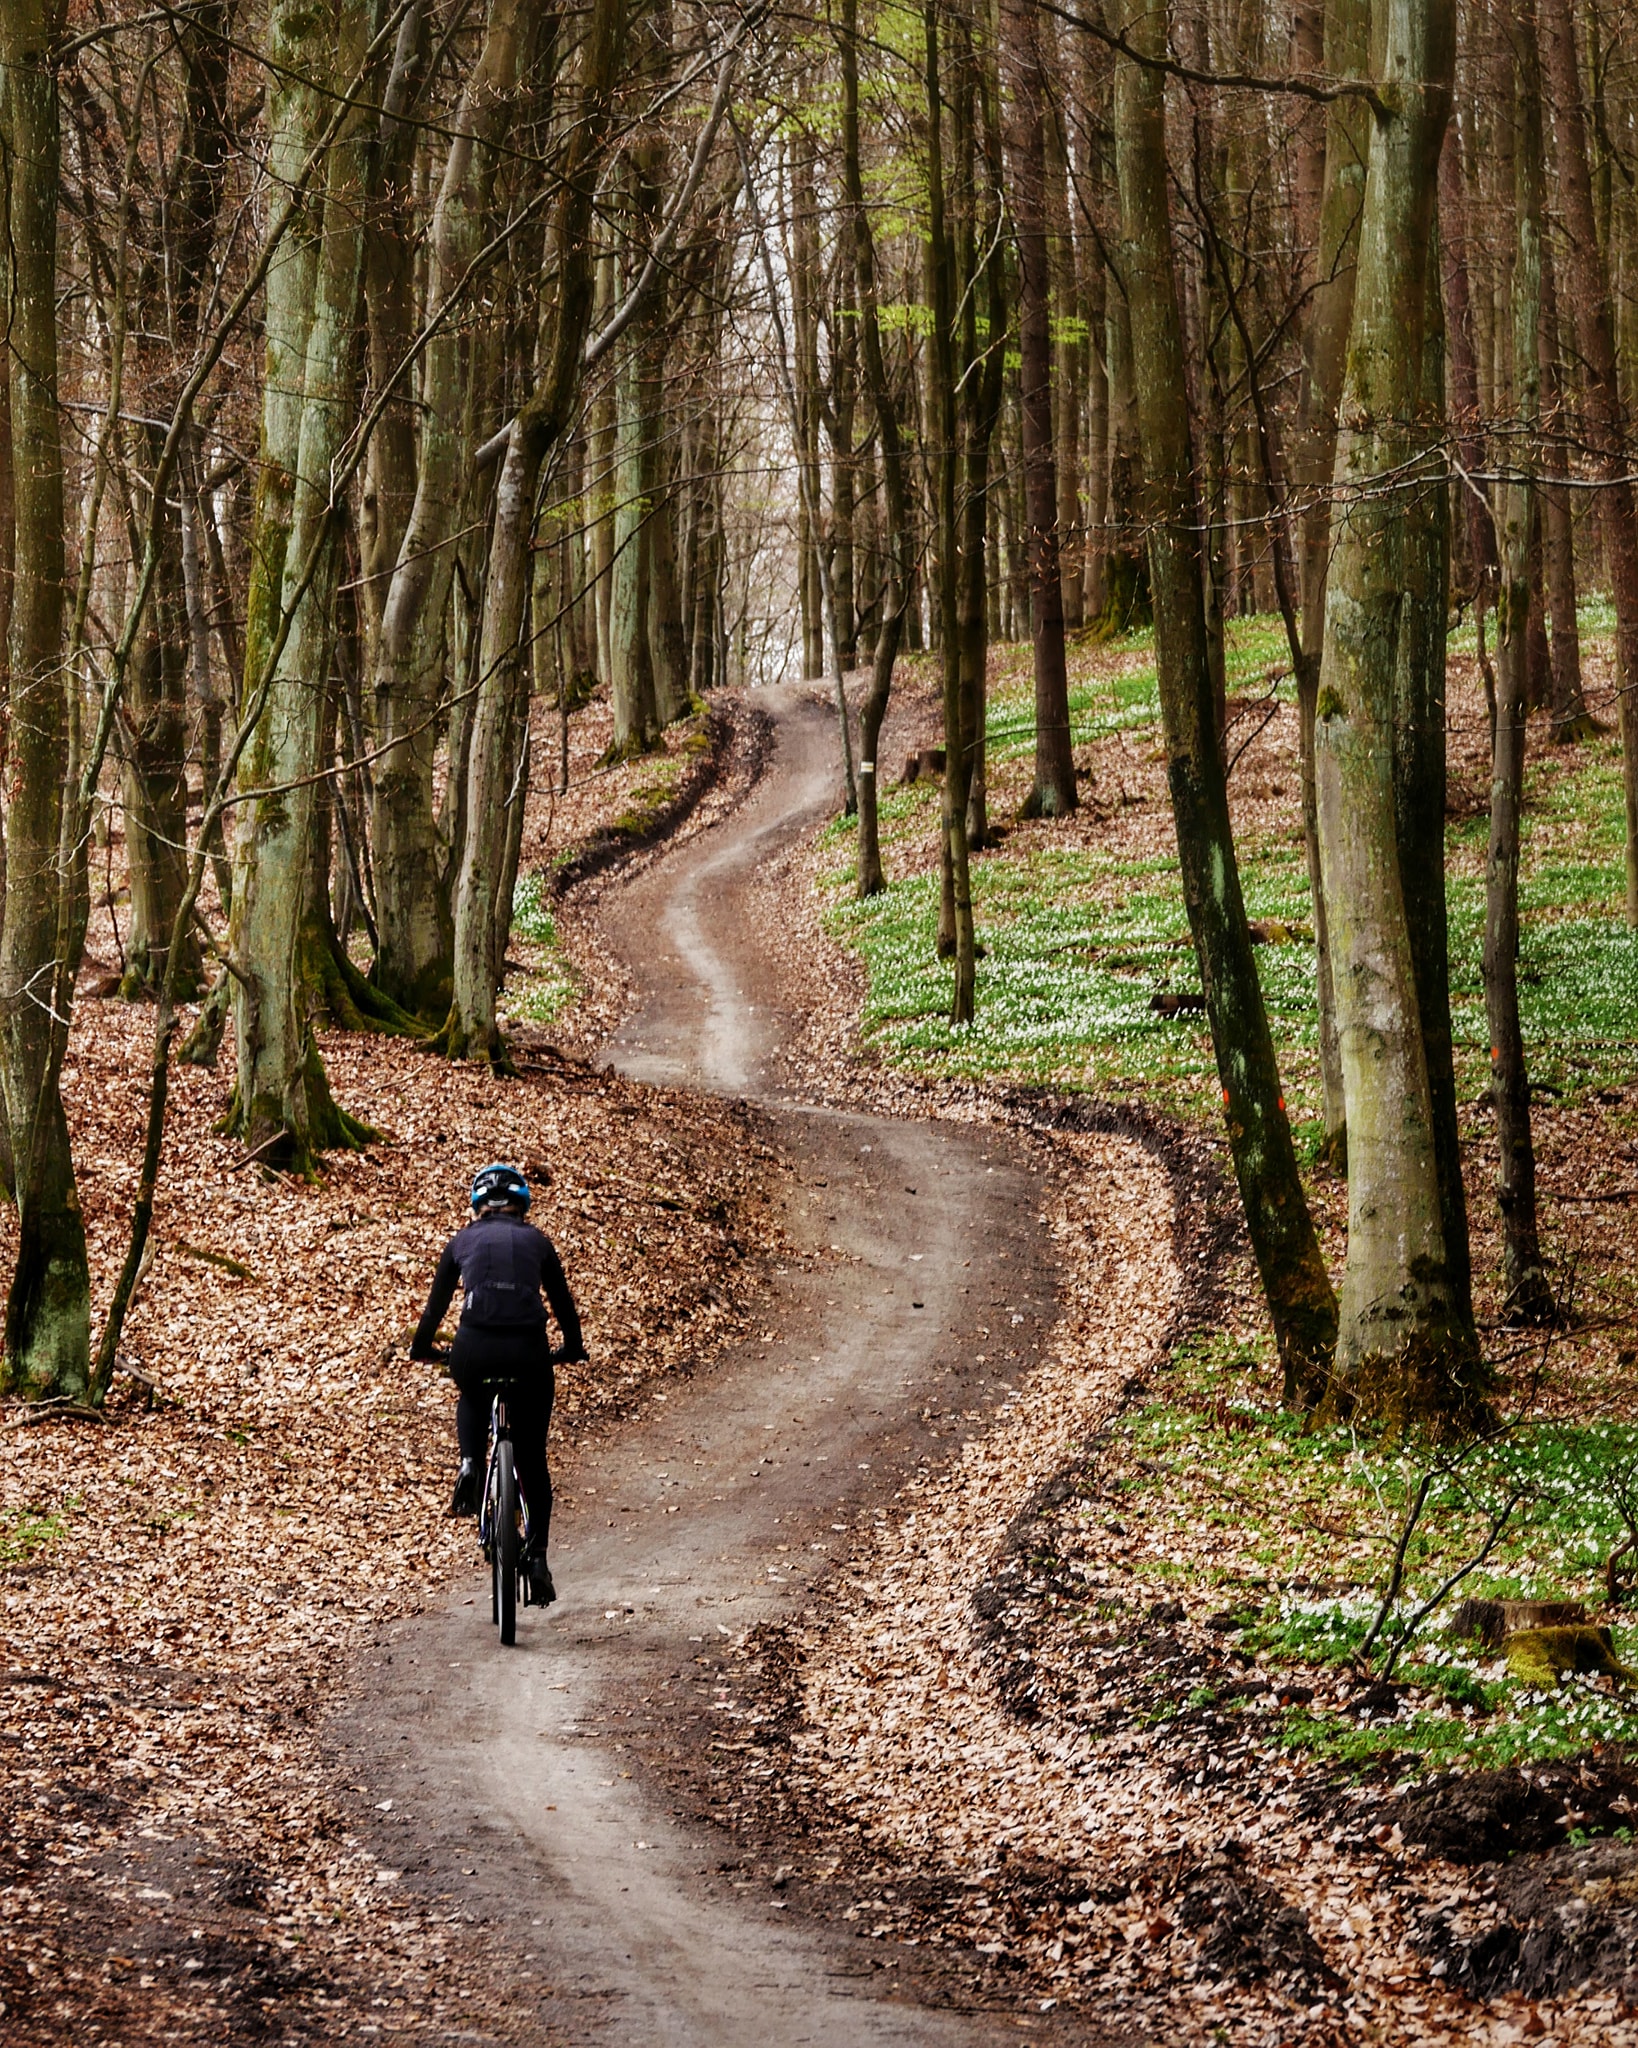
pixel 504 1531
pixel 503 1525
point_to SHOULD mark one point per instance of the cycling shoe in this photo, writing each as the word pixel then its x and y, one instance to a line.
pixel 468 1486
pixel 541 1590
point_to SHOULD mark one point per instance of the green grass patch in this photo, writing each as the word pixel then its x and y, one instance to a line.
pixel 1293 1529
pixel 1516 1726
pixel 26 1532
pixel 1078 942
pixel 547 986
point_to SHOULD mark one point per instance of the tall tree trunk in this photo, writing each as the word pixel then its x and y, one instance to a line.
pixel 1094 283
pixel 1528 1297
pixel 1603 415
pixel 803 266
pixel 896 593
pixel 154 766
pixel 155 713
pixel 1064 385
pixel 983 378
pixel 48 1313
pixel 1301 1303
pixel 389 299
pixel 414 925
pixel 633 686
pixel 1570 719
pixel 1053 792
pixel 840 425
pixel 1125 571
pixel 1420 723
pixel 282 1100
pixel 1325 343
pixel 494 759
pixel 1404 1349
pixel 1466 403
pixel 941 263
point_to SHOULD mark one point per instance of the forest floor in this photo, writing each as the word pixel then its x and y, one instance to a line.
pixel 1065 1727
pixel 1111 1730
pixel 184 1587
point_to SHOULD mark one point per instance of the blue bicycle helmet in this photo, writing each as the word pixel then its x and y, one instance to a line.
pixel 499 1184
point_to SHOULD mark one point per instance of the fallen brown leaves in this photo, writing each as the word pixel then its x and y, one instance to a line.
pixel 963 1766
pixel 180 1587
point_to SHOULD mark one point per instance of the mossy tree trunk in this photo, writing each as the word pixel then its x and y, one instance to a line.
pixel 1301 1303
pixel 48 1316
pixel 282 1099
pixel 1406 1349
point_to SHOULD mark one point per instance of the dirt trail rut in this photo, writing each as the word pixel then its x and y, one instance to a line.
pixel 515 1774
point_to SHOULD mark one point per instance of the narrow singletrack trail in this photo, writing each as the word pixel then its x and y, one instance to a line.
pixel 516 1775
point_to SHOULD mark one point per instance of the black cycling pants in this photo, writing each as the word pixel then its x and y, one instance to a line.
pixel 529 1414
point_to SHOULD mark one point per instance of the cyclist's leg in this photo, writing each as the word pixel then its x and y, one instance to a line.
pixel 530 1417
pixel 472 1435
pixel 472 1420
pixel 531 1420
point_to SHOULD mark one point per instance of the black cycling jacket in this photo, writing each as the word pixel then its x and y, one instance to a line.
pixel 503 1264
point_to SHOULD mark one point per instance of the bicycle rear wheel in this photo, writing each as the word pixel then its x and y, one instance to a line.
pixel 506 1544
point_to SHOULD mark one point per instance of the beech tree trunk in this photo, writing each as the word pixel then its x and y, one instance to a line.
pixel 414 957
pixel 634 686
pixel 495 761
pixel 980 385
pixel 154 726
pixel 48 1314
pixel 1570 718
pixel 282 1100
pixel 1528 1297
pixel 1053 792
pixel 1065 382
pixel 1325 343
pixel 1603 415
pixel 154 770
pixel 1404 1349
pixel 1301 1303
pixel 942 396
pixel 897 584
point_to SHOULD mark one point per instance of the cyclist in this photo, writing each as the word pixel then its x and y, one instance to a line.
pixel 504 1264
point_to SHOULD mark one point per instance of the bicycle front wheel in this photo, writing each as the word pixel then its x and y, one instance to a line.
pixel 506 1545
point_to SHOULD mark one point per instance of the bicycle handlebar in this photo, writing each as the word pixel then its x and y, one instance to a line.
pixel 553 1358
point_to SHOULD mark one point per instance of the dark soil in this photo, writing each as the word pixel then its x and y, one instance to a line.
pixel 1247 1931
pixel 1568 1918
pixel 1487 1816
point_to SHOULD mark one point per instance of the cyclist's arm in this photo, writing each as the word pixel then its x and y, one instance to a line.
pixel 443 1293
pixel 556 1284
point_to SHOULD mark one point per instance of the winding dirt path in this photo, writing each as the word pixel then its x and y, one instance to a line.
pixel 515 1775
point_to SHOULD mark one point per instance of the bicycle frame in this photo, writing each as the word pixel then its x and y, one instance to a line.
pixel 500 1431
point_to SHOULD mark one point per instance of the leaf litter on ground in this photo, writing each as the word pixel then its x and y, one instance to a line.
pixel 185 1586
